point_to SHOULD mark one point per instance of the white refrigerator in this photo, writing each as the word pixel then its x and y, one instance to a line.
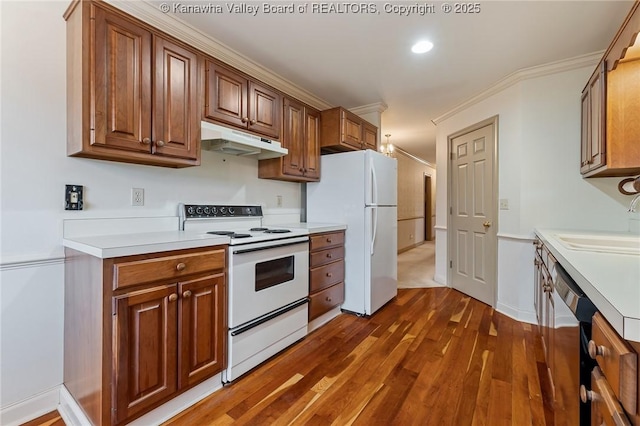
pixel 359 188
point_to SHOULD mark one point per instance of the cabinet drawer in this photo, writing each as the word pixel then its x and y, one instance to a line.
pixel 322 241
pixel 617 360
pixel 326 299
pixel 326 276
pixel 605 408
pixel 168 267
pixel 326 256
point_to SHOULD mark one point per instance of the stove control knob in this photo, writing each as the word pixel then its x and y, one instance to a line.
pixel 223 210
pixel 199 210
pixel 214 210
pixel 190 210
pixel 231 210
pixel 206 210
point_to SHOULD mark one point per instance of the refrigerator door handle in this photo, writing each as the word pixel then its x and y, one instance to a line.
pixel 374 183
pixel 374 219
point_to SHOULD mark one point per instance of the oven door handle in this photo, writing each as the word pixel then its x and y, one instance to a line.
pixel 291 242
pixel 268 317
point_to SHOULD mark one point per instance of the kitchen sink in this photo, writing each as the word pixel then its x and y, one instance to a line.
pixel 622 244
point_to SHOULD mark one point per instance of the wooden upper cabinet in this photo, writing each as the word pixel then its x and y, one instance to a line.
pixel 343 130
pixel 370 136
pixel 232 98
pixel 301 136
pixel 132 94
pixel 611 105
pixel 176 120
pixel 122 83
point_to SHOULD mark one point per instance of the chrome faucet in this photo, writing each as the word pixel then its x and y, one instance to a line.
pixel 634 203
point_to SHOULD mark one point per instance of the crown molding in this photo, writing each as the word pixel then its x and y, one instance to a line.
pixel 377 107
pixel 413 157
pixel 590 59
pixel 179 29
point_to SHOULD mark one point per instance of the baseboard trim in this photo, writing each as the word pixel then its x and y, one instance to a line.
pixel 70 411
pixel 30 408
pixel 412 246
pixel 441 279
pixel 516 314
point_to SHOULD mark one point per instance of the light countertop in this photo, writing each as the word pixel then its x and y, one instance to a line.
pixel 108 246
pixel 315 227
pixel 610 280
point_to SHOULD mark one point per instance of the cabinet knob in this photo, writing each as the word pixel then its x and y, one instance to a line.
pixel 173 297
pixel 253 122
pixel 180 266
pixel 146 141
pixel 329 255
pixel 595 350
pixel 329 240
pixel 160 143
pixel 186 294
pixel 587 395
pixel 329 274
pixel 245 119
pixel 328 299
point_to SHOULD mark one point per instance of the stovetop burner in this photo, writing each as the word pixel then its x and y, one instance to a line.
pixel 230 234
pixel 277 231
pixel 258 229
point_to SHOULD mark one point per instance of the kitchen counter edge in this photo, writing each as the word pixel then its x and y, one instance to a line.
pixel 109 246
pixel 627 326
pixel 317 228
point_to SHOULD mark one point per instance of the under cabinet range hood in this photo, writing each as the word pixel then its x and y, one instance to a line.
pixel 235 142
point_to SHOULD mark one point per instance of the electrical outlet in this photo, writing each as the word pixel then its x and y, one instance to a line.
pixel 504 204
pixel 279 200
pixel 73 197
pixel 137 197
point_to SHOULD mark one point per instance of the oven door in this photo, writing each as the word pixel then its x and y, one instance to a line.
pixel 266 276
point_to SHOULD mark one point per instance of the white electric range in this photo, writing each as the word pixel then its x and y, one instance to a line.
pixel 268 281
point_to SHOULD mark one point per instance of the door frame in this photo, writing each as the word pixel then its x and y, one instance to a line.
pixel 428 211
pixel 494 196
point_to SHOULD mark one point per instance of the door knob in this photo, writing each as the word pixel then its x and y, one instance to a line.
pixel 486 224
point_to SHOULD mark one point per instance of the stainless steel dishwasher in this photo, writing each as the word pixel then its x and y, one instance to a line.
pixel 571 362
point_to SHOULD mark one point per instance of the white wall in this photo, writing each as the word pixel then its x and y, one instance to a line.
pixel 34 170
pixel 538 163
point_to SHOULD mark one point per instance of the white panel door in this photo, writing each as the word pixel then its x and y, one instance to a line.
pixel 473 239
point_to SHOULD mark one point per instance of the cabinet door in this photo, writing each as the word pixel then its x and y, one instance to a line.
pixel 597 95
pixel 122 84
pixel 370 136
pixel 312 143
pixel 145 351
pixel 225 96
pixel 264 110
pixel 293 138
pixel 585 132
pixel 176 120
pixel 351 130
pixel 202 328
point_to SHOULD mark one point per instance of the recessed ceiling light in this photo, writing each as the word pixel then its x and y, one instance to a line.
pixel 422 47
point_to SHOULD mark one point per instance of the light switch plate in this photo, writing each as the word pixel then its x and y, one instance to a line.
pixel 504 204
pixel 73 197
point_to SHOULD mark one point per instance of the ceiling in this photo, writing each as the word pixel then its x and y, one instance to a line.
pixel 356 59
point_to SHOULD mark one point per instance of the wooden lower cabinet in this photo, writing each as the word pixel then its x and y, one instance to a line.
pixel 326 272
pixel 130 349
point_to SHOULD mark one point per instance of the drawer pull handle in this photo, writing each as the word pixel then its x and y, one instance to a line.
pixel 329 255
pixel 180 266
pixel 595 350
pixel 173 297
pixel 186 294
pixel 329 274
pixel 328 299
pixel 329 240
pixel 587 395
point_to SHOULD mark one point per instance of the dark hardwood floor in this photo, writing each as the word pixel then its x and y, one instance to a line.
pixel 430 357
